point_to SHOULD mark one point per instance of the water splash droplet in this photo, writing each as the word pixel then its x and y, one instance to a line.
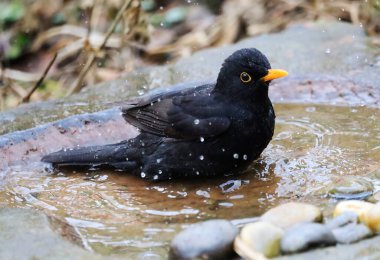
pixel 201 157
pixel 202 139
pixel 196 122
pixel 142 174
pixel 236 156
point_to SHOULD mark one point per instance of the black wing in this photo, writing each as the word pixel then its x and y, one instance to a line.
pixel 190 113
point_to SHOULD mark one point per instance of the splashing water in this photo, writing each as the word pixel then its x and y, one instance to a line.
pixel 121 214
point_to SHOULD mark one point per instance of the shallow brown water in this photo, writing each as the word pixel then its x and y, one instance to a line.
pixel 121 214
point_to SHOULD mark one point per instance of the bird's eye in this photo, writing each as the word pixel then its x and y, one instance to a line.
pixel 245 77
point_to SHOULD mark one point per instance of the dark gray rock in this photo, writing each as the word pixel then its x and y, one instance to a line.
pixel 365 249
pixel 351 233
pixel 305 235
pixel 211 239
pixel 28 234
pixel 342 220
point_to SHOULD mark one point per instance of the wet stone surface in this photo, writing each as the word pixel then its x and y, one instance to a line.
pixel 28 234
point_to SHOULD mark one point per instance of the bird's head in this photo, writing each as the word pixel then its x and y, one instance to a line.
pixel 247 72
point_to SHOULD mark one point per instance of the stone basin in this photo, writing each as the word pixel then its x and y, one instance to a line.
pixel 329 135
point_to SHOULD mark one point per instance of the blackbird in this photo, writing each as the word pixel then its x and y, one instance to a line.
pixel 207 130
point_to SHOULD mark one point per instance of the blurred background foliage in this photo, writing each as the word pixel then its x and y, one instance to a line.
pixel 91 41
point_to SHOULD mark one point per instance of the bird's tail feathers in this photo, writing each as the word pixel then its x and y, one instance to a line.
pixel 114 154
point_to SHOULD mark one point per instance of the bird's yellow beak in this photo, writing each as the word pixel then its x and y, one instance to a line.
pixel 274 74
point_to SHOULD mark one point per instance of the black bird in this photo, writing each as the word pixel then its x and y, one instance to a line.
pixel 212 129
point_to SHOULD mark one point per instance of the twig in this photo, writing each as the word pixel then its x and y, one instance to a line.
pixel 40 81
pixel 77 84
pixel 89 11
pixel 2 70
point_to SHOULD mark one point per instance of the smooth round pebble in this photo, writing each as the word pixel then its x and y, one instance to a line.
pixel 351 233
pixel 288 214
pixel 211 239
pixel 372 218
pixel 350 188
pixel 343 219
pixel 304 235
pixel 359 207
pixel 259 237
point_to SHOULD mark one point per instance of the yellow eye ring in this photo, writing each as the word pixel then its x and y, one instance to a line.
pixel 245 77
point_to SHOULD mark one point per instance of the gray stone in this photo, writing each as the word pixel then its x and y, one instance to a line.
pixel 342 220
pixel 365 249
pixel 351 233
pixel 305 235
pixel 211 239
pixel 28 234
pixel 291 213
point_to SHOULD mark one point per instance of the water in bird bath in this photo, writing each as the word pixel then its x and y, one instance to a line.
pixel 121 214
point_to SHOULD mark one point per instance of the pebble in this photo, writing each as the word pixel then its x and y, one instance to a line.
pixel 304 235
pixel 372 218
pixel 211 239
pixel 342 220
pixel 351 188
pixel 292 213
pixel 260 238
pixel 374 198
pixel 359 207
pixel 351 233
